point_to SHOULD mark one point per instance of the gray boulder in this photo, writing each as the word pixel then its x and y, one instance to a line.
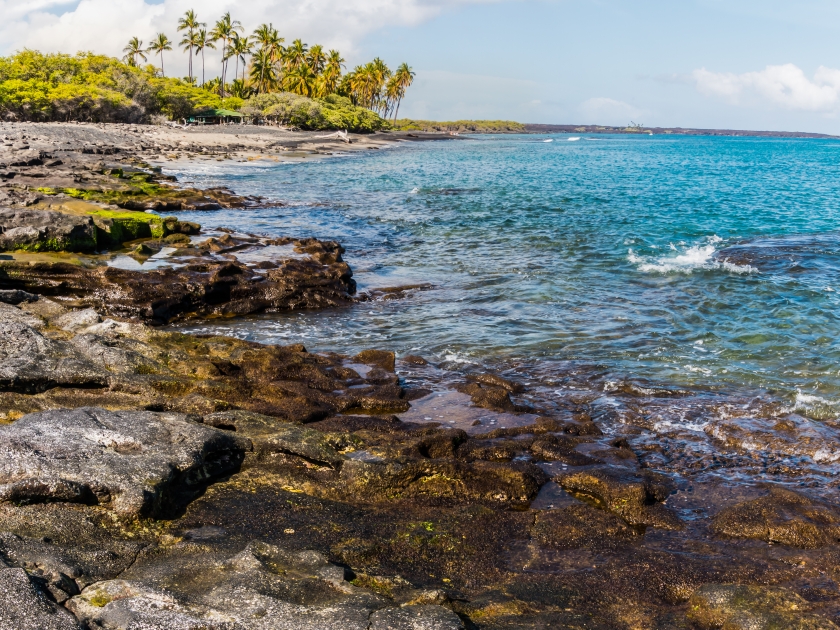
pixel 31 363
pixel 44 230
pixel 136 462
pixel 23 606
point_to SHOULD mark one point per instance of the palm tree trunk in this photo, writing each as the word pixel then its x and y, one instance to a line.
pixel 398 109
pixel 202 67
pixel 224 68
pixel 161 64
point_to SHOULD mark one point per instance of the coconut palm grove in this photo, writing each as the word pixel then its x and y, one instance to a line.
pixel 261 77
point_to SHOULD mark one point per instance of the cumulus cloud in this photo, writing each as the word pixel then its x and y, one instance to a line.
pixel 106 25
pixel 786 86
pixel 609 111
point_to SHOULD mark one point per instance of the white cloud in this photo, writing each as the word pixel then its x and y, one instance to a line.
pixel 785 86
pixel 106 25
pixel 608 111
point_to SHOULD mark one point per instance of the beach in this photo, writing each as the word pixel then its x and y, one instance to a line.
pixel 493 383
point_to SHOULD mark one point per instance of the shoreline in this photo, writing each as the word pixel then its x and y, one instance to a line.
pixel 229 484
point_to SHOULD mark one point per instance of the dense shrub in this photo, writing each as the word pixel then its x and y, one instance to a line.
pixel 88 87
pixel 332 112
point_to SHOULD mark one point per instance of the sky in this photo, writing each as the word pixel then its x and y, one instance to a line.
pixel 734 64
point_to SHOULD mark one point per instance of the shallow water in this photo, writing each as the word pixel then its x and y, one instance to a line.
pixel 708 263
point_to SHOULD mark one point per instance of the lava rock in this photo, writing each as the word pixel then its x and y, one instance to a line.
pixel 24 606
pixel 735 607
pixel 30 362
pixel 136 462
pixel 43 230
pixel 782 516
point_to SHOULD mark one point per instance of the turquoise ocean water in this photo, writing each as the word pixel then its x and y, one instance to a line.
pixel 704 262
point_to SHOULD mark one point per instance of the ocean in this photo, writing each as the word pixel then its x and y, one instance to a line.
pixel 704 264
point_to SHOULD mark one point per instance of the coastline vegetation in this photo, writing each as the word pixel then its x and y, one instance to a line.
pixel 296 84
pixel 459 126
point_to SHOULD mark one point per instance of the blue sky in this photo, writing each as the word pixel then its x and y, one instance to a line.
pixel 691 63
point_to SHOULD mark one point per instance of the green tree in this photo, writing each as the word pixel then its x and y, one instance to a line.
pixel 295 55
pixel 190 24
pixel 263 70
pixel 225 30
pixel 133 50
pixel 159 44
pixel 316 59
pixel 300 80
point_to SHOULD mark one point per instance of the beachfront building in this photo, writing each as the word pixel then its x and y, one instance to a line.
pixel 216 117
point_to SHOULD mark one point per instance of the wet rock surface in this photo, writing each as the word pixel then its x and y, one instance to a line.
pixel 151 479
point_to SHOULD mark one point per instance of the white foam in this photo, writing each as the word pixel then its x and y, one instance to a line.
pixel 695 257
pixel 549 140
pixel 574 139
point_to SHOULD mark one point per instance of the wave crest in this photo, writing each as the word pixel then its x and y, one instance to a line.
pixel 690 259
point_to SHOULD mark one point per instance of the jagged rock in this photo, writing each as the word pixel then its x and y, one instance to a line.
pixel 24 606
pixel 200 288
pixel 136 462
pixel 736 607
pixel 782 516
pixel 29 362
pixel 42 230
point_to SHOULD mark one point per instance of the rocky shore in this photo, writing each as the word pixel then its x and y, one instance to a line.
pixel 156 480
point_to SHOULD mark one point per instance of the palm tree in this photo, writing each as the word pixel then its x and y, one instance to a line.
pixel 191 41
pixel 404 77
pixel 240 47
pixel 160 43
pixel 133 50
pixel 263 71
pixel 239 89
pixel 268 38
pixel 295 55
pixel 300 80
pixel 317 59
pixel 392 94
pixel 331 74
pixel 202 42
pixel 225 30
pixel 190 24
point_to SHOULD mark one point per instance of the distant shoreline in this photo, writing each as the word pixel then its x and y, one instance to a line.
pixel 677 131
